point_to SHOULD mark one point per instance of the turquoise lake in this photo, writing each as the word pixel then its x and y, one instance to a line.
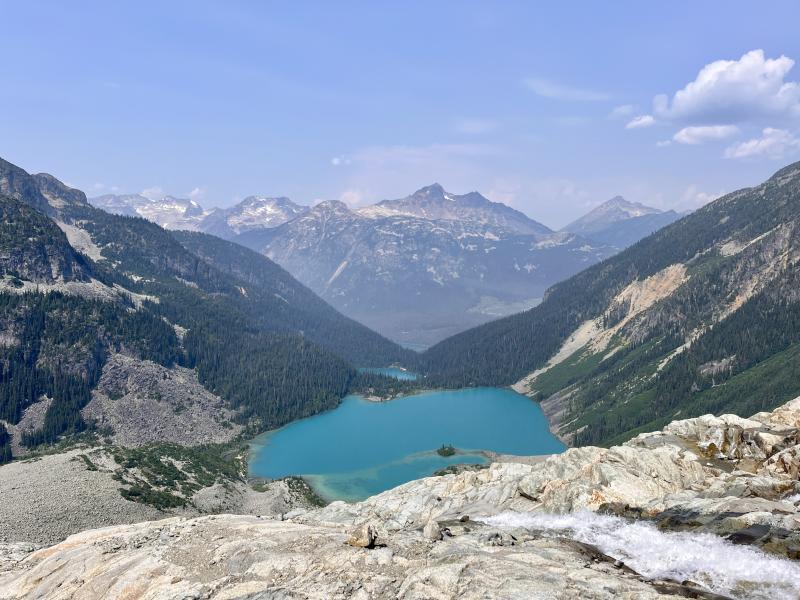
pixel 362 448
pixel 391 372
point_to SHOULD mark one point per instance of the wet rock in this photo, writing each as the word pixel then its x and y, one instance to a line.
pixel 749 535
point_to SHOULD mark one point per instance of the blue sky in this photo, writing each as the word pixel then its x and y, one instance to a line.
pixel 549 107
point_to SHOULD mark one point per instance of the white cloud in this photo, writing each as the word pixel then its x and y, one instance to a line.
pixel 640 122
pixel 773 143
pixel 694 198
pixel 623 112
pixel 153 193
pixel 197 194
pixel 339 161
pixel 474 126
pixel 663 143
pixel 353 198
pixel 735 91
pixel 704 133
pixel 551 89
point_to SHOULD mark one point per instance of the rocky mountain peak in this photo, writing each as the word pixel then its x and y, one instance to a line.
pixel 434 202
pixel 42 191
pixel 265 201
pixel 253 213
pixel 433 191
pixel 331 206
pixel 622 208
pixel 189 207
pixel 614 212
pixel 58 193
pixel 617 201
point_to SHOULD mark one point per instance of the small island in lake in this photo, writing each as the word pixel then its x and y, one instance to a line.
pixel 446 450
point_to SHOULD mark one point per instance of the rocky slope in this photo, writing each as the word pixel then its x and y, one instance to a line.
pixel 80 288
pixel 41 191
pixel 140 402
pixel 643 520
pixel 701 316
pixel 34 249
pixel 50 497
pixel 426 266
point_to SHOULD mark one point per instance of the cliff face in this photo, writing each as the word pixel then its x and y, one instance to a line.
pixel 34 249
pixel 590 523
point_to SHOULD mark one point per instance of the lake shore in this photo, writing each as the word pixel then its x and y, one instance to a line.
pixel 483 424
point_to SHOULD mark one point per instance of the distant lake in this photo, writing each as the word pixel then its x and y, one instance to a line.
pixel 362 448
pixel 391 372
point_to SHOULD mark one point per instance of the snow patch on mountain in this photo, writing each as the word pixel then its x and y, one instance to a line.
pixel 168 212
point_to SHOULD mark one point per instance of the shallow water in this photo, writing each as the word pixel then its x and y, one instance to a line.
pixel 362 448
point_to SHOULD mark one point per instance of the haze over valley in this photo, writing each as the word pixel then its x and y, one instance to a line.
pixel 417 269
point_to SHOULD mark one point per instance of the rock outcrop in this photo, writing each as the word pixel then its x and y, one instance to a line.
pixel 45 499
pixel 444 537
pixel 142 402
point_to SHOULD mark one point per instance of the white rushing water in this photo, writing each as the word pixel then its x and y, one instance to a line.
pixel 707 559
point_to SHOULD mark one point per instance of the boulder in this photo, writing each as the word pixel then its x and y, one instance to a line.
pixel 364 537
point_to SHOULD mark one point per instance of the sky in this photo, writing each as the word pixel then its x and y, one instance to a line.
pixel 549 107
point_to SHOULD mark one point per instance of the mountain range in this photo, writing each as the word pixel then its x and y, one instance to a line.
pixel 254 212
pixel 419 268
pixel 134 361
pixel 85 291
pixel 426 266
pixel 701 315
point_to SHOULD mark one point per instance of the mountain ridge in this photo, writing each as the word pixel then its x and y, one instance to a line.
pixel 421 268
pixel 659 327
pixel 140 292
pixel 435 203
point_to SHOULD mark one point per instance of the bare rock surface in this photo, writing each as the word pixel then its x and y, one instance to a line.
pixel 232 556
pixel 48 498
pixel 45 499
pixel 143 402
pixel 734 477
